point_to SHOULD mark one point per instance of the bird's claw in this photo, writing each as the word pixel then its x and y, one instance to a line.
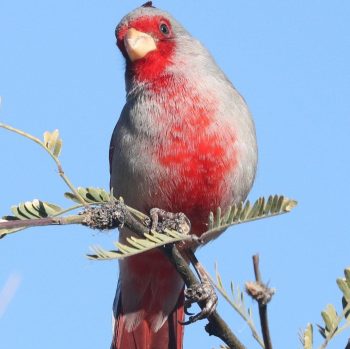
pixel 186 307
pixel 160 220
pixel 203 294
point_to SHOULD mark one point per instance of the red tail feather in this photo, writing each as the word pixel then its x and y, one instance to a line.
pixel 169 336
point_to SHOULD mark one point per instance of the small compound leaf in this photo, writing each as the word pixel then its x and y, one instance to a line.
pixel 94 194
pixel 47 136
pixel 53 139
pixel 57 148
pixel 18 213
pixel 134 246
pixel 244 212
pixel 330 309
pixel 232 287
pixel 72 197
pixel 104 196
pixel 330 318
pixel 218 278
pixel 307 337
pixel 288 205
pixel 83 192
pixel 347 276
pixel 211 220
pixel 255 209
pixel 31 209
pixel 52 142
pixel 218 217
pixel 274 204
pixel 344 287
pixel 90 195
pixel 232 214
pixel 279 204
pixel 51 209
pixel 268 205
pixel 238 212
pixel 225 217
pixel 35 209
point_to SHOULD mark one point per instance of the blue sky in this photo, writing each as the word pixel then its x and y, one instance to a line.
pixel 60 68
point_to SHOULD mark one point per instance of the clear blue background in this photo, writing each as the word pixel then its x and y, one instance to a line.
pixel 60 68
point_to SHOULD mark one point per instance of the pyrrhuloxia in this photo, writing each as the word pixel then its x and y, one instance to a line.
pixel 184 142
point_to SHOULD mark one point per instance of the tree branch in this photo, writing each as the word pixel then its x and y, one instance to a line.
pixel 216 326
pixel 40 222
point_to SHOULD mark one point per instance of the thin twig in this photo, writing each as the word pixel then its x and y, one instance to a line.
pixel 55 158
pixel 262 307
pixel 40 222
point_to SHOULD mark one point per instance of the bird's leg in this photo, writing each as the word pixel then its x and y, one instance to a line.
pixel 203 293
pixel 161 220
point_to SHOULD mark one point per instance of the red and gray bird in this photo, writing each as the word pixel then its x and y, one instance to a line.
pixel 185 142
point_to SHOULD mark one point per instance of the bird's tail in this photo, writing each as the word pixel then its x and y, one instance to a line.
pixel 168 336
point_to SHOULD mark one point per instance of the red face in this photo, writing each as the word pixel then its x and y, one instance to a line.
pixel 155 61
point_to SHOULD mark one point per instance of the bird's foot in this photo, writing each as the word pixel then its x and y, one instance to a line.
pixel 203 294
pixel 160 220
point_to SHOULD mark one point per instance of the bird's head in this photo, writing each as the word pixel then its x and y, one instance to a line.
pixel 147 38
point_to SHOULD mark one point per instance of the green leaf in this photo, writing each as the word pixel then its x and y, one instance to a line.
pixel 134 246
pixel 57 148
pixel 35 209
pixel 256 208
pixel 211 220
pixel 307 338
pixel 330 318
pixel 72 197
pixel 274 203
pixel 218 217
pixel 51 209
pixel 347 276
pixel 218 277
pixel 344 287
pixel 226 216
pixel 52 142
pixel 30 207
pixel 236 301
pixel 244 212
pixel 17 212
pixel 238 212
pixel 232 288
pixel 90 195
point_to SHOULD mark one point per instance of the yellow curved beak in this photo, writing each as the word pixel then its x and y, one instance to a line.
pixel 138 44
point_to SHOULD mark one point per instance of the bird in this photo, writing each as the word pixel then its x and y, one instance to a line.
pixel 185 141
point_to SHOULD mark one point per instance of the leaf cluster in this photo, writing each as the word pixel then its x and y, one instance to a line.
pixel 333 322
pixel 235 298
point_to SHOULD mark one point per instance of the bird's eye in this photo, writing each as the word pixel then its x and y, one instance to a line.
pixel 164 29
